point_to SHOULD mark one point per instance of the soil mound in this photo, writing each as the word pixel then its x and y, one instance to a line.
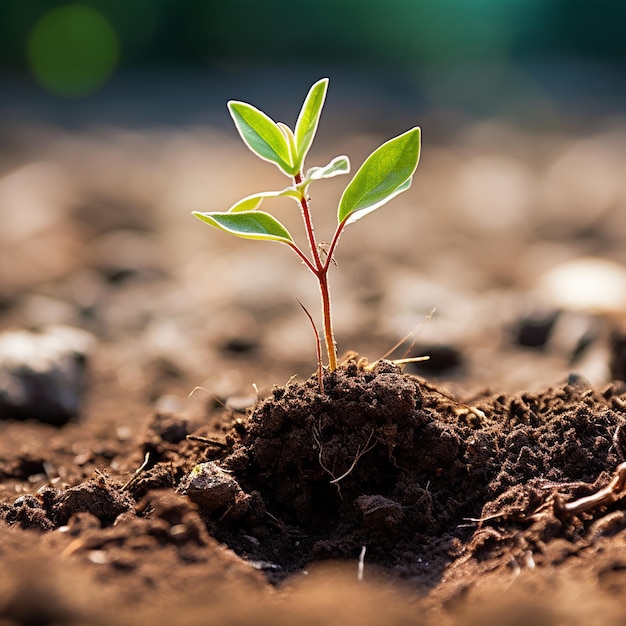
pixel 385 460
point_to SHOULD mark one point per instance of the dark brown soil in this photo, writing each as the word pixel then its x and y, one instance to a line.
pixel 436 491
pixel 388 496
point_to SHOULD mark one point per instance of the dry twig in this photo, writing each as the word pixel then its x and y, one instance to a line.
pixel 138 471
pixel 604 497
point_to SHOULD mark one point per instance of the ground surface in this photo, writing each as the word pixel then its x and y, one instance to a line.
pixel 467 481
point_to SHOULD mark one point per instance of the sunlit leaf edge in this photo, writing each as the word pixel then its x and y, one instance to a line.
pixel 359 213
pixel 269 142
pixel 254 201
pixel 361 202
pixel 338 166
pixel 268 228
pixel 308 120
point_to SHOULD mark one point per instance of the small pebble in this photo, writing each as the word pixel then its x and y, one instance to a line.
pixel 590 284
pixel 240 404
pixel 534 329
pixel 178 530
pixel 168 404
pixel 99 557
pixel 42 373
pixel 209 486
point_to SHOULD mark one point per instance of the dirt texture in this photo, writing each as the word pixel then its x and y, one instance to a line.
pixel 166 455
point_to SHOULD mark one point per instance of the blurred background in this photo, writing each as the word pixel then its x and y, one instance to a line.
pixel 162 61
pixel 113 127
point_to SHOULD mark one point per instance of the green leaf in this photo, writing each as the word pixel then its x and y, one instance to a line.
pixel 262 135
pixel 385 173
pixel 249 203
pixel 291 140
pixel 339 165
pixel 309 117
pixel 357 215
pixel 248 225
pixel 253 202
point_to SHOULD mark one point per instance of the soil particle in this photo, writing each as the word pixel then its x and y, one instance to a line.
pixel 22 468
pixel 211 487
pixel 27 512
pixel 164 431
pixel 52 508
pixel 96 496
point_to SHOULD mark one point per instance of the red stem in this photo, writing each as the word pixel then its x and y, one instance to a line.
pixel 331 349
pixel 301 254
pixel 320 269
pixel 310 232
pixel 333 244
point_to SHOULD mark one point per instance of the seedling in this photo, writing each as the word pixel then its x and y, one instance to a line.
pixel 387 172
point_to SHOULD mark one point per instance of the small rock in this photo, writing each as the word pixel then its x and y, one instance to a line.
pixel 168 404
pixel 98 557
pixel 122 254
pixel 534 329
pixel 210 487
pixel 379 511
pixel 573 333
pixel 588 284
pixel 167 428
pixel 42 373
pixel 617 347
pixel 574 379
pixel 441 358
pixel 240 344
pixel 240 404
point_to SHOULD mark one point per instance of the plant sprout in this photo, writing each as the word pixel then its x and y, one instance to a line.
pixel 387 172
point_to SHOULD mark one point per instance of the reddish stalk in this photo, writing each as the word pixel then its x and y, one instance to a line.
pixel 308 223
pixel 333 244
pixel 320 269
pixel 322 277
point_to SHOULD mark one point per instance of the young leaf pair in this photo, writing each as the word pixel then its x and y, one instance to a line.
pixel 387 172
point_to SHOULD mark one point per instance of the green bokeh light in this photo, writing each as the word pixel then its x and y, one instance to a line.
pixel 73 50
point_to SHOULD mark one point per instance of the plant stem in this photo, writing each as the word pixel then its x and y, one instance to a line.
pixel 333 243
pixel 331 349
pixel 308 223
pixel 301 254
pixel 320 269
